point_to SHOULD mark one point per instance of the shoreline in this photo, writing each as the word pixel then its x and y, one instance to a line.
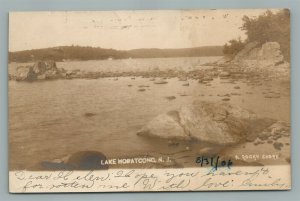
pixel 224 73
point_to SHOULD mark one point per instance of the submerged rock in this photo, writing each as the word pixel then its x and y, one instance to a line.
pixel 215 123
pixel 89 114
pixel 170 97
pixel 161 81
pixel 182 79
pixel 143 86
pixel 272 95
pixel 226 99
pixel 235 94
pixel 278 145
pixel 224 74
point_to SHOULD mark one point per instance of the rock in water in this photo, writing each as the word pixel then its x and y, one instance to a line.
pixel 39 71
pixel 161 81
pixel 224 74
pixel 278 145
pixel 89 114
pixel 226 99
pixel 182 79
pixel 87 160
pixel 82 160
pixel 165 126
pixel 215 123
pixel 170 98
pixel 25 73
pixel 39 67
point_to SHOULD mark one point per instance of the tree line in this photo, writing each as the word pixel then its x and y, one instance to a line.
pixel 96 53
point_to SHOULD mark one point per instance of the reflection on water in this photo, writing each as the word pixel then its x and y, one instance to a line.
pixel 51 119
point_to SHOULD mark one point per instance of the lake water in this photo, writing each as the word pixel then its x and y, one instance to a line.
pixel 50 119
pixel 131 65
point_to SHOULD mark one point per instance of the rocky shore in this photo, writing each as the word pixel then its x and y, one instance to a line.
pixel 203 127
pixel 47 70
pixel 252 64
pixel 215 126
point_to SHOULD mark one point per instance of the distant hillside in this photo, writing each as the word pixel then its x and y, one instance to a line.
pixel 90 53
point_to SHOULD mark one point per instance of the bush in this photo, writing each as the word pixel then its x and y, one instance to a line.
pixel 233 47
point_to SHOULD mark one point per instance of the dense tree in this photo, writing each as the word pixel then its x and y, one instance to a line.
pixel 234 46
pixel 268 27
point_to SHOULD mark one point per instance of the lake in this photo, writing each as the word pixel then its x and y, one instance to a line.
pixel 52 119
pixel 131 65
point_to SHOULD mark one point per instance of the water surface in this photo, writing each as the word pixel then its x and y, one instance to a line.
pixel 51 119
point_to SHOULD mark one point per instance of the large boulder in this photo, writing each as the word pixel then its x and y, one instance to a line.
pixel 165 126
pixel 87 160
pixel 268 55
pixel 40 70
pixel 39 67
pixel 271 51
pixel 266 58
pixel 82 160
pixel 46 69
pixel 25 73
pixel 214 123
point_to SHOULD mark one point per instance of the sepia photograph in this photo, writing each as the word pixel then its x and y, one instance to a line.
pixel 149 100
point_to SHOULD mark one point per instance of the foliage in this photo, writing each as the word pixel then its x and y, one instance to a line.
pixel 234 46
pixel 268 27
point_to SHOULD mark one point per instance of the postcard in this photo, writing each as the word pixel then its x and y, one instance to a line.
pixel 149 100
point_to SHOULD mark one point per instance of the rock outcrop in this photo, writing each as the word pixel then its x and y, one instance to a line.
pixel 25 73
pixel 214 123
pixel 266 58
pixel 40 70
pixel 45 70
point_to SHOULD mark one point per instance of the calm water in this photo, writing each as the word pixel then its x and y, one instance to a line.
pixel 125 65
pixel 47 120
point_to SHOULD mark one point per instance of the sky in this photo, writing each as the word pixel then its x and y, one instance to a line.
pixel 124 30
